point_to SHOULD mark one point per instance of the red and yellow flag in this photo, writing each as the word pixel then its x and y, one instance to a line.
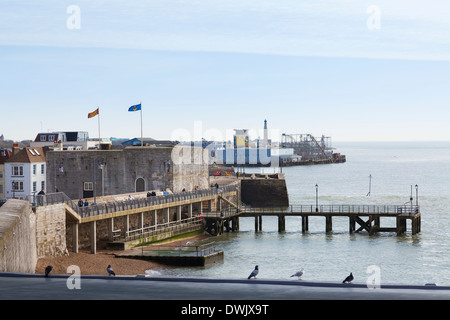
pixel 93 114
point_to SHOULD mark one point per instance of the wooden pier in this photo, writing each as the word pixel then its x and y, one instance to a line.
pixel 361 217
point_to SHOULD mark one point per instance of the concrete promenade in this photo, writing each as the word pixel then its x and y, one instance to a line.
pixel 15 286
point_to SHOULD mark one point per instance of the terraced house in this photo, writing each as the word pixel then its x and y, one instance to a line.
pixel 25 173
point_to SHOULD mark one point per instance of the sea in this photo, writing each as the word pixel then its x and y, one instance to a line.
pixel 375 173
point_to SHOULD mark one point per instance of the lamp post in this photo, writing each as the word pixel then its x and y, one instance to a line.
pixel 417 195
pixel 317 198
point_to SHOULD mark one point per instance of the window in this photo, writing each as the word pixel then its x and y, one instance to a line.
pixel 42 168
pixel 88 186
pixel 43 138
pixel 43 185
pixel 17 171
pixel 34 169
pixel 51 138
pixel 34 186
pixel 17 186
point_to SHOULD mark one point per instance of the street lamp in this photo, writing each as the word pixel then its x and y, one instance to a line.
pixel 317 198
pixel 417 195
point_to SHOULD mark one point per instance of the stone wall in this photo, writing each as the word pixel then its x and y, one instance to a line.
pixel 124 171
pixel 51 231
pixel 264 192
pixel 17 237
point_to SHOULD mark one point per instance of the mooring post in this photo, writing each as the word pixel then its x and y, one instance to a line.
pixel 260 223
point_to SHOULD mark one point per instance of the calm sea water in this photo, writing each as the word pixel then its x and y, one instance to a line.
pixel 407 259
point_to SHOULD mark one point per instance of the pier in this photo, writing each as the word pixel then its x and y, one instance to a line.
pixel 125 223
pixel 361 217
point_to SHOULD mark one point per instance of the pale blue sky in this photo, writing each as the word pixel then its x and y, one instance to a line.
pixel 305 66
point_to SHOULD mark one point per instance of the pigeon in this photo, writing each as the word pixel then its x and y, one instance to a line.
pixel 110 270
pixel 254 273
pixel 298 274
pixel 48 269
pixel 349 279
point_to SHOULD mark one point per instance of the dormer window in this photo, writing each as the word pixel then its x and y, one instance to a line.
pixel 43 137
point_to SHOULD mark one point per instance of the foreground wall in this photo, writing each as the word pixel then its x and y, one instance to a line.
pixel 17 237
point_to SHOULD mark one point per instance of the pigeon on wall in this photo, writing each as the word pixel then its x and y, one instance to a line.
pixel 349 279
pixel 48 269
pixel 110 270
pixel 254 273
pixel 298 274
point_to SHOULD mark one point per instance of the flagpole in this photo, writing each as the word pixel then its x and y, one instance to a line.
pixel 142 134
pixel 98 128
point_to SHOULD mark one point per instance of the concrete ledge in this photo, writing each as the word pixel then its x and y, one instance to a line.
pixel 32 286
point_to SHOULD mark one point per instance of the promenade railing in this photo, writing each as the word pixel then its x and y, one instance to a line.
pixel 109 206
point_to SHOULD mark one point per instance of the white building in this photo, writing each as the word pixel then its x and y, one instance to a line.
pixel 25 173
pixel 68 140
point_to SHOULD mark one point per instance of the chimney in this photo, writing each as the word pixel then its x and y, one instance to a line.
pixel 16 149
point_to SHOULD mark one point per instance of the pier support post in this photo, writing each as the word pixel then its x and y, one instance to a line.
pixel 190 210
pixel 328 223
pixel 110 227
pixel 126 225
pixel 93 237
pixel 155 219
pixel 167 210
pixel 179 213
pixel 352 224
pixel 305 223
pixel 235 224
pixel 401 225
pixel 370 225
pixel 75 237
pixel 141 221
pixel 258 223
pixel 281 223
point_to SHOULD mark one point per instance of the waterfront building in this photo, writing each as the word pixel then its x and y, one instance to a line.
pixel 25 173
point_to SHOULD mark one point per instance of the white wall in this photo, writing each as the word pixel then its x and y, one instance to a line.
pixel 28 178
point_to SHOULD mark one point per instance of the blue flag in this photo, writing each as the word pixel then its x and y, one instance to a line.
pixel 136 107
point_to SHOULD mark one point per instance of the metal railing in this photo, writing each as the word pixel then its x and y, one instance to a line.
pixel 180 250
pixel 101 207
pixel 176 227
pixel 393 210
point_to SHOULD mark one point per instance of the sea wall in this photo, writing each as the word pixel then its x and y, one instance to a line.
pixel 17 237
pixel 264 192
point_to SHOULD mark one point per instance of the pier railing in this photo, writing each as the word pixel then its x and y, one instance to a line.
pixel 343 209
pixel 180 250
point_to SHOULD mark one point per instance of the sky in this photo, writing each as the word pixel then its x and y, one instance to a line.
pixel 353 70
